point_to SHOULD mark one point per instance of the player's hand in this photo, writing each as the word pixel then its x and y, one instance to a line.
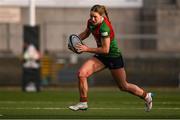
pixel 81 47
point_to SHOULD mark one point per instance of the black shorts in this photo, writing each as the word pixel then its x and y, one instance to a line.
pixel 111 62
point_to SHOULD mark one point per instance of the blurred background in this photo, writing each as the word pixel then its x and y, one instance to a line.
pixel 147 31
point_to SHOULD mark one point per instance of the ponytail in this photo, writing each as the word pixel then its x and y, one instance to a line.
pixel 101 9
pixel 105 11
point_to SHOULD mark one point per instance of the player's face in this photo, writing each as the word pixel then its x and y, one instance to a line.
pixel 95 17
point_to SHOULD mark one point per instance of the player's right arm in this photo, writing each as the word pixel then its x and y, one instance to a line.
pixel 84 34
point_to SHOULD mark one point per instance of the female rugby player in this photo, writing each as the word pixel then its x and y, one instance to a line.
pixel 107 55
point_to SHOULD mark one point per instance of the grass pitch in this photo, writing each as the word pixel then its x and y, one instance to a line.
pixel 104 103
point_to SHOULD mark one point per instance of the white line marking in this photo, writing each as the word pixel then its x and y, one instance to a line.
pixel 49 102
pixel 134 108
pixel 59 108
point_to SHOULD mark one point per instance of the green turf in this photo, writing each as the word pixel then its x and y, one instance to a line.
pixel 104 103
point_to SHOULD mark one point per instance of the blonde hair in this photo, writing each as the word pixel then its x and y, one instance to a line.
pixel 101 9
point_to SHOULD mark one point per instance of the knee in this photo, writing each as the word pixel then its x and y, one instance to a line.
pixel 124 87
pixel 83 74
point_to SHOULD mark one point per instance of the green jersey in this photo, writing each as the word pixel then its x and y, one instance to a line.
pixel 105 30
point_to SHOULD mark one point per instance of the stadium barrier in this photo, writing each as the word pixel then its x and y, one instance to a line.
pixel 145 71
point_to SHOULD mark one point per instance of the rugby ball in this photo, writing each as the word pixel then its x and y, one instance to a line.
pixel 73 41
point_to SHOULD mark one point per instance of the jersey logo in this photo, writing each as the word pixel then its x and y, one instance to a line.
pixel 91 27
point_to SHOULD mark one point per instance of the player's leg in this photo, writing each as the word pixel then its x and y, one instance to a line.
pixel 120 77
pixel 88 68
